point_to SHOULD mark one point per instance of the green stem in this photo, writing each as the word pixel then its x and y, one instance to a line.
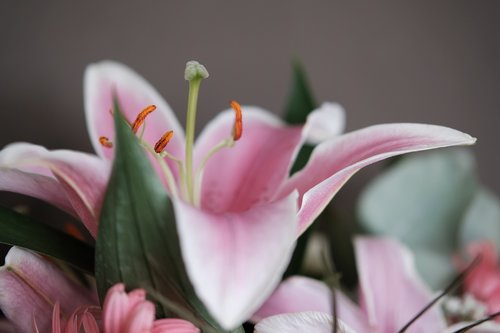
pixel 194 89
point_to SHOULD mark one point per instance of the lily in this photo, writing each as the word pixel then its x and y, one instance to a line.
pixel 31 286
pixel 238 210
pixel 391 295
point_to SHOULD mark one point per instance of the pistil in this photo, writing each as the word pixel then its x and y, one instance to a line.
pixel 194 73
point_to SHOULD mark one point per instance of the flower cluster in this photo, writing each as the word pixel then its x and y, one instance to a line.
pixel 236 214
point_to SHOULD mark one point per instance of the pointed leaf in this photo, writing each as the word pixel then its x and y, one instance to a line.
pixel 21 230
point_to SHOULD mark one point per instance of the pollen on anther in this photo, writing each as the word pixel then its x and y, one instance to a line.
pixel 104 141
pixel 141 117
pixel 238 121
pixel 164 140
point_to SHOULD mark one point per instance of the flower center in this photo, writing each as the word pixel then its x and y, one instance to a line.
pixel 189 181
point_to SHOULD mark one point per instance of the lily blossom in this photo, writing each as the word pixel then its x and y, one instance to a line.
pixel 238 212
pixel 30 286
pixel 391 294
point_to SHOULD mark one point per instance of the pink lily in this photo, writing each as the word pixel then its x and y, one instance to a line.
pixel 238 212
pixel 30 286
pixel 391 294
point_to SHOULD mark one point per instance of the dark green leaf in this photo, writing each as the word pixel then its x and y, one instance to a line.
pixel 300 99
pixel 138 243
pixel 21 230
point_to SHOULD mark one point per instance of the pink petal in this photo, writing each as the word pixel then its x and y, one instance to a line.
pixel 302 294
pixel 34 185
pixel 174 326
pixel 134 93
pixel 235 260
pixel 115 309
pixel 89 323
pixel 139 319
pixel 333 162
pixel 30 286
pixel 392 293
pixel 237 178
pixel 324 123
pixel 83 177
pixel 314 322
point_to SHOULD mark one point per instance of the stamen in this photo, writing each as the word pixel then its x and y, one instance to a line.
pixel 164 167
pixel 238 122
pixel 104 141
pixel 226 143
pixel 141 117
pixel 72 230
pixel 164 140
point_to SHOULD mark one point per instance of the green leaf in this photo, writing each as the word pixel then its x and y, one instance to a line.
pixel 300 99
pixel 421 201
pixel 138 242
pixel 482 219
pixel 22 230
pixel 300 103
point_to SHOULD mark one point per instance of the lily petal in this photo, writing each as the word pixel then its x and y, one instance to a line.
pixel 392 292
pixel 237 178
pixel 83 178
pixel 235 260
pixel 30 286
pixel 174 326
pixel 326 122
pixel 313 322
pixel 107 78
pixel 37 186
pixel 302 294
pixel 333 162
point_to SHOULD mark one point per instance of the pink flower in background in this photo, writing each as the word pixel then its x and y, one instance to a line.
pixel 391 294
pixel 122 313
pixel 30 287
pixel 238 211
pixel 483 282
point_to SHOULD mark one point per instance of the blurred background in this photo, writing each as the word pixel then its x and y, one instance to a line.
pixel 385 61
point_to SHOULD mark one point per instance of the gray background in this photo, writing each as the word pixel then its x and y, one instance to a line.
pixel 385 61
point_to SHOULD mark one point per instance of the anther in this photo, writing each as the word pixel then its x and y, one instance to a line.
pixel 238 121
pixel 164 140
pixel 104 141
pixel 141 117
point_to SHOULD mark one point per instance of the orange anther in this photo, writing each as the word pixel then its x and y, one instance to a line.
pixel 72 230
pixel 104 141
pixel 238 121
pixel 162 143
pixel 141 117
